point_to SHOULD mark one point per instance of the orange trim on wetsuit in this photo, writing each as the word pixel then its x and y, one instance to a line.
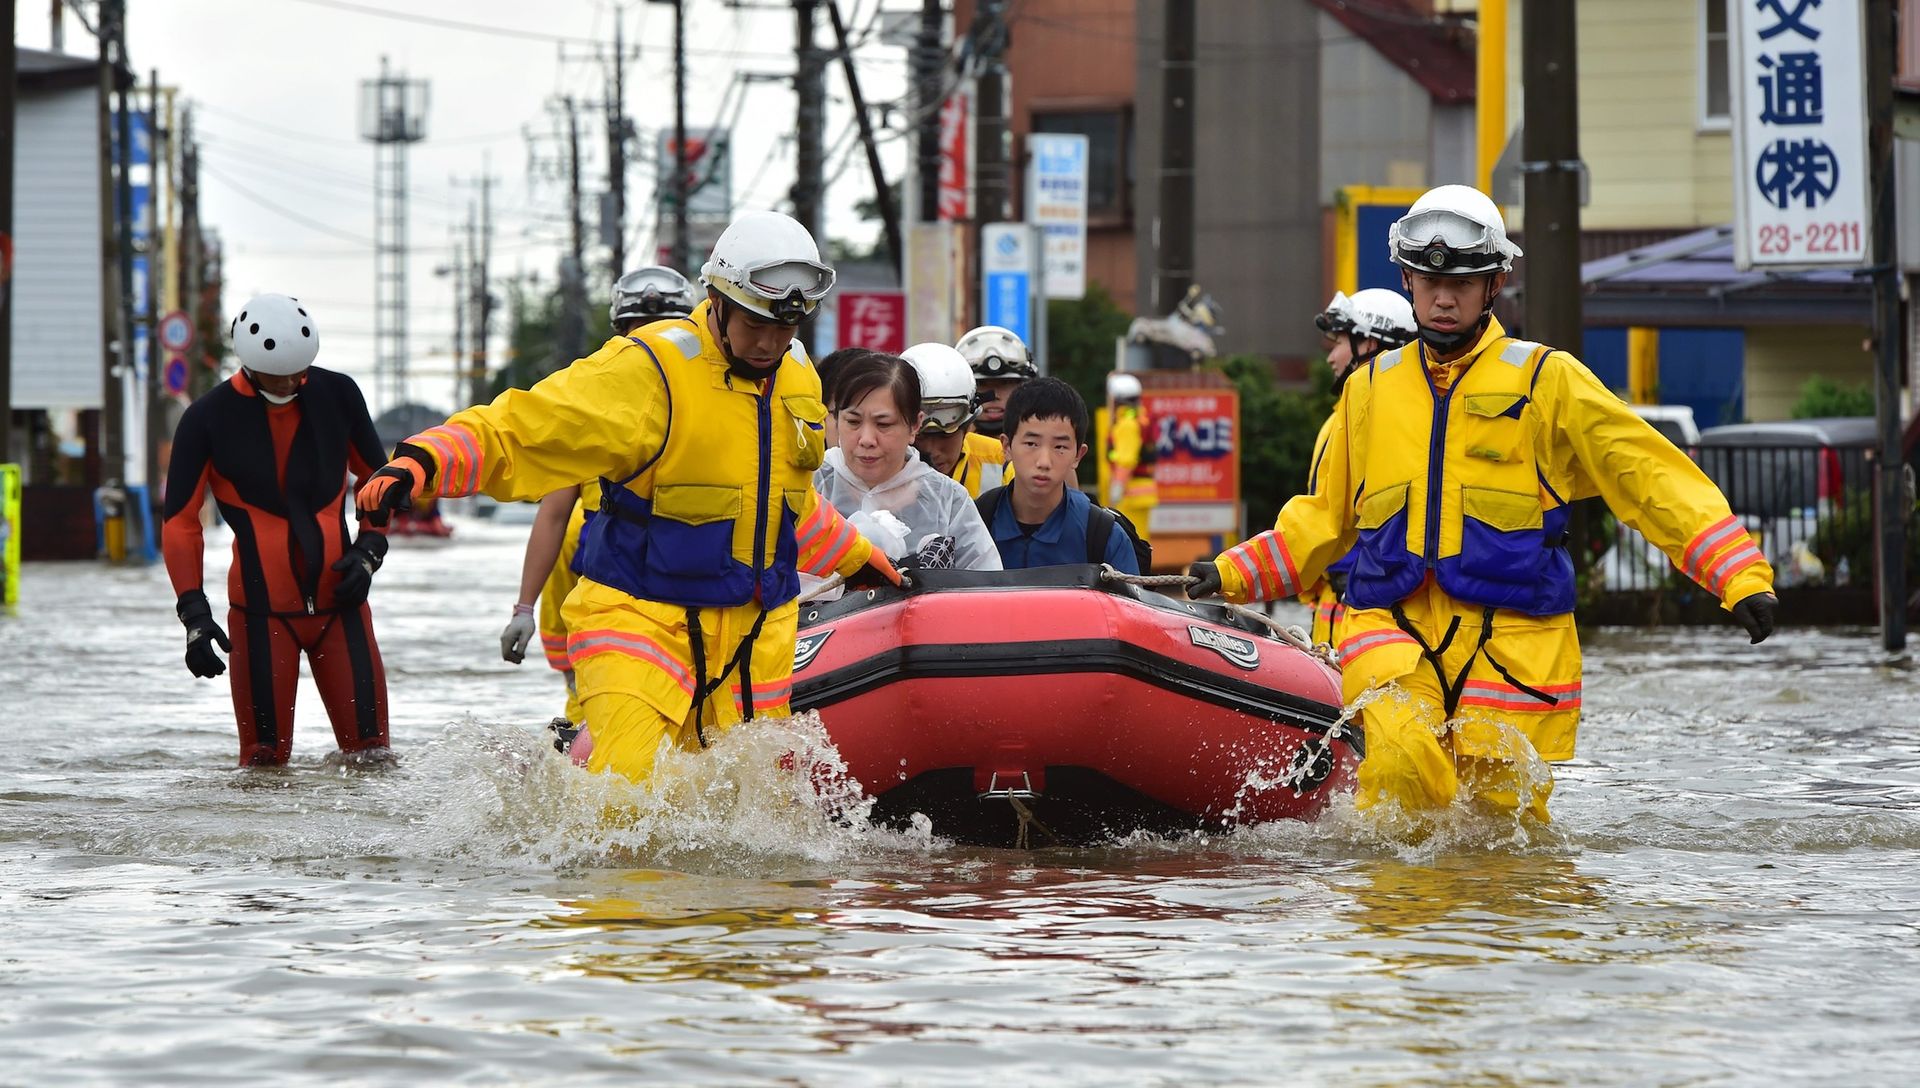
pixel 279 475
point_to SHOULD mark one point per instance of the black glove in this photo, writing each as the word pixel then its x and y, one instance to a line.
pixel 197 616
pixel 391 488
pixel 357 567
pixel 1206 579
pixel 1755 613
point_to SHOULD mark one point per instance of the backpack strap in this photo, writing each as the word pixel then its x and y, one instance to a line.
pixel 1100 524
pixel 989 504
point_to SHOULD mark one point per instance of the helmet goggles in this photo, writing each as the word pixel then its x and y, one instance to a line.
pixel 1441 242
pixel 946 416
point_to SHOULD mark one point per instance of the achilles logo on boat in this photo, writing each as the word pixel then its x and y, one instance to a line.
pixel 806 648
pixel 1240 651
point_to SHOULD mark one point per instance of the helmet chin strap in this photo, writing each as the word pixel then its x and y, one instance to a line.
pixel 1446 343
pixel 272 398
pixel 736 366
pixel 1360 359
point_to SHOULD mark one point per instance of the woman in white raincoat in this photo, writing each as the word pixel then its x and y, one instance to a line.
pixel 876 479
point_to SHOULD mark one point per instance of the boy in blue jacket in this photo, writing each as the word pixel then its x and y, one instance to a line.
pixel 1041 519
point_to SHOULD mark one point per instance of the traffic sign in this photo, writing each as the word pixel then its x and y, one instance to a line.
pixel 1006 268
pixel 176 331
pixel 176 375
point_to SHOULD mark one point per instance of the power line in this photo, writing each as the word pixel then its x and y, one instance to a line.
pixel 487 28
pixel 284 212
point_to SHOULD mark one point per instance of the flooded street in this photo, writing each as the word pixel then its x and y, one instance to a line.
pixel 1730 893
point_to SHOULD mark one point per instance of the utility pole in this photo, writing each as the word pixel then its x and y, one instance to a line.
pixel 113 58
pixel 9 92
pixel 990 114
pixel 480 306
pixel 56 24
pixel 1173 271
pixel 617 133
pixel 573 331
pixel 682 250
pixel 1551 148
pixel 809 181
pixel 458 269
pixel 155 391
pixel 927 99
pixel 882 192
pixel 1893 503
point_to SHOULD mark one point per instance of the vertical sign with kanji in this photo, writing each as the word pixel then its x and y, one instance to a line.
pixel 872 319
pixel 1799 133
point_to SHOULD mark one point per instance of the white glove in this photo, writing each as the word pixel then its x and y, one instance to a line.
pixel 887 532
pixel 519 632
pixel 1116 489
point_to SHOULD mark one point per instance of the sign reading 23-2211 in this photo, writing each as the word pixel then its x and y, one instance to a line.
pixel 1799 133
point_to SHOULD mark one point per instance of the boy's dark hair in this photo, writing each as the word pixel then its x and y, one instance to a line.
pixel 1047 398
pixel 878 370
pixel 835 364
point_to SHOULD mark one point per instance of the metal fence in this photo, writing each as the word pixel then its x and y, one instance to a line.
pixel 1809 509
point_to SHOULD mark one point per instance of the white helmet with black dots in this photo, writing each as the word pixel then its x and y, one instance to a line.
pixel 274 335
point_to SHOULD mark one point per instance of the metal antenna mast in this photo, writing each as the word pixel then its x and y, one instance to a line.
pixel 393 114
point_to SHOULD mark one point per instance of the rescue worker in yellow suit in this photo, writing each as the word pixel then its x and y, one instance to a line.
pixel 1357 329
pixel 1449 469
pixel 704 433
pixel 641 297
pixel 1131 488
pixel 1001 364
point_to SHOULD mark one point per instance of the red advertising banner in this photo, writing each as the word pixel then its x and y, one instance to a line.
pixel 872 319
pixel 954 163
pixel 1196 437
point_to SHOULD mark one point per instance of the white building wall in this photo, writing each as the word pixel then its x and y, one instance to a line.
pixel 58 332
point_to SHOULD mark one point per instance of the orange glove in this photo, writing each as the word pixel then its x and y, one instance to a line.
pixel 394 486
pixel 880 563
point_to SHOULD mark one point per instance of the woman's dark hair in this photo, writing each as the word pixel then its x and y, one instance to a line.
pixel 1047 398
pixel 831 367
pixel 878 370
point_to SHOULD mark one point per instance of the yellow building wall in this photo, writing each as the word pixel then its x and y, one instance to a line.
pixel 1649 161
pixel 1780 360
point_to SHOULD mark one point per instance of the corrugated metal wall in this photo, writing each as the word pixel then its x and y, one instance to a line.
pixel 57 303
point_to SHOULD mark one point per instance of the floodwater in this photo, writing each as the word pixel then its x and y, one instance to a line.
pixel 1730 893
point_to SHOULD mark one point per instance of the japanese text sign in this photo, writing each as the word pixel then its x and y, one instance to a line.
pixel 1799 133
pixel 1057 204
pixel 873 319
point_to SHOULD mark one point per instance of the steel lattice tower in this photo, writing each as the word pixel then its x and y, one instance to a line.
pixel 393 114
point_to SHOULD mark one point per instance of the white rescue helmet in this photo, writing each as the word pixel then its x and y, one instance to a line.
pixel 995 352
pixel 655 291
pixel 274 335
pixel 1452 230
pixel 1375 313
pixel 946 386
pixel 1123 387
pixel 768 264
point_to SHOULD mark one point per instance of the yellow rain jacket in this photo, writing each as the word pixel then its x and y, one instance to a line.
pixel 983 465
pixel 1451 483
pixel 689 569
pixel 1130 458
pixel 1329 608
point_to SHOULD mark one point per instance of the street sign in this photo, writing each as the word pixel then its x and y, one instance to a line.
pixel 954 165
pixel 871 319
pixel 176 332
pixel 1057 204
pixel 1006 277
pixel 1799 134
pixel 176 375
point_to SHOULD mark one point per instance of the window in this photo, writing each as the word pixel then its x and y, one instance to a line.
pixel 1109 134
pixel 1714 88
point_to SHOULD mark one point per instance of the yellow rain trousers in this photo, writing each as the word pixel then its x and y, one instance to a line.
pixel 1522 431
pixel 686 441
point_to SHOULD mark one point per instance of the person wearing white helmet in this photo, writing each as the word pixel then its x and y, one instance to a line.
pixel 1449 471
pixel 641 297
pixel 947 397
pixel 1356 328
pixel 877 469
pixel 275 445
pixel 704 434
pixel 1131 454
pixel 1000 362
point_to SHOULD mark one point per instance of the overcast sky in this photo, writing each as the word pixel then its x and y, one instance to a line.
pixel 288 184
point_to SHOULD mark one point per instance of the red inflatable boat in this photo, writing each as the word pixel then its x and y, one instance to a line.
pixel 1041 706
